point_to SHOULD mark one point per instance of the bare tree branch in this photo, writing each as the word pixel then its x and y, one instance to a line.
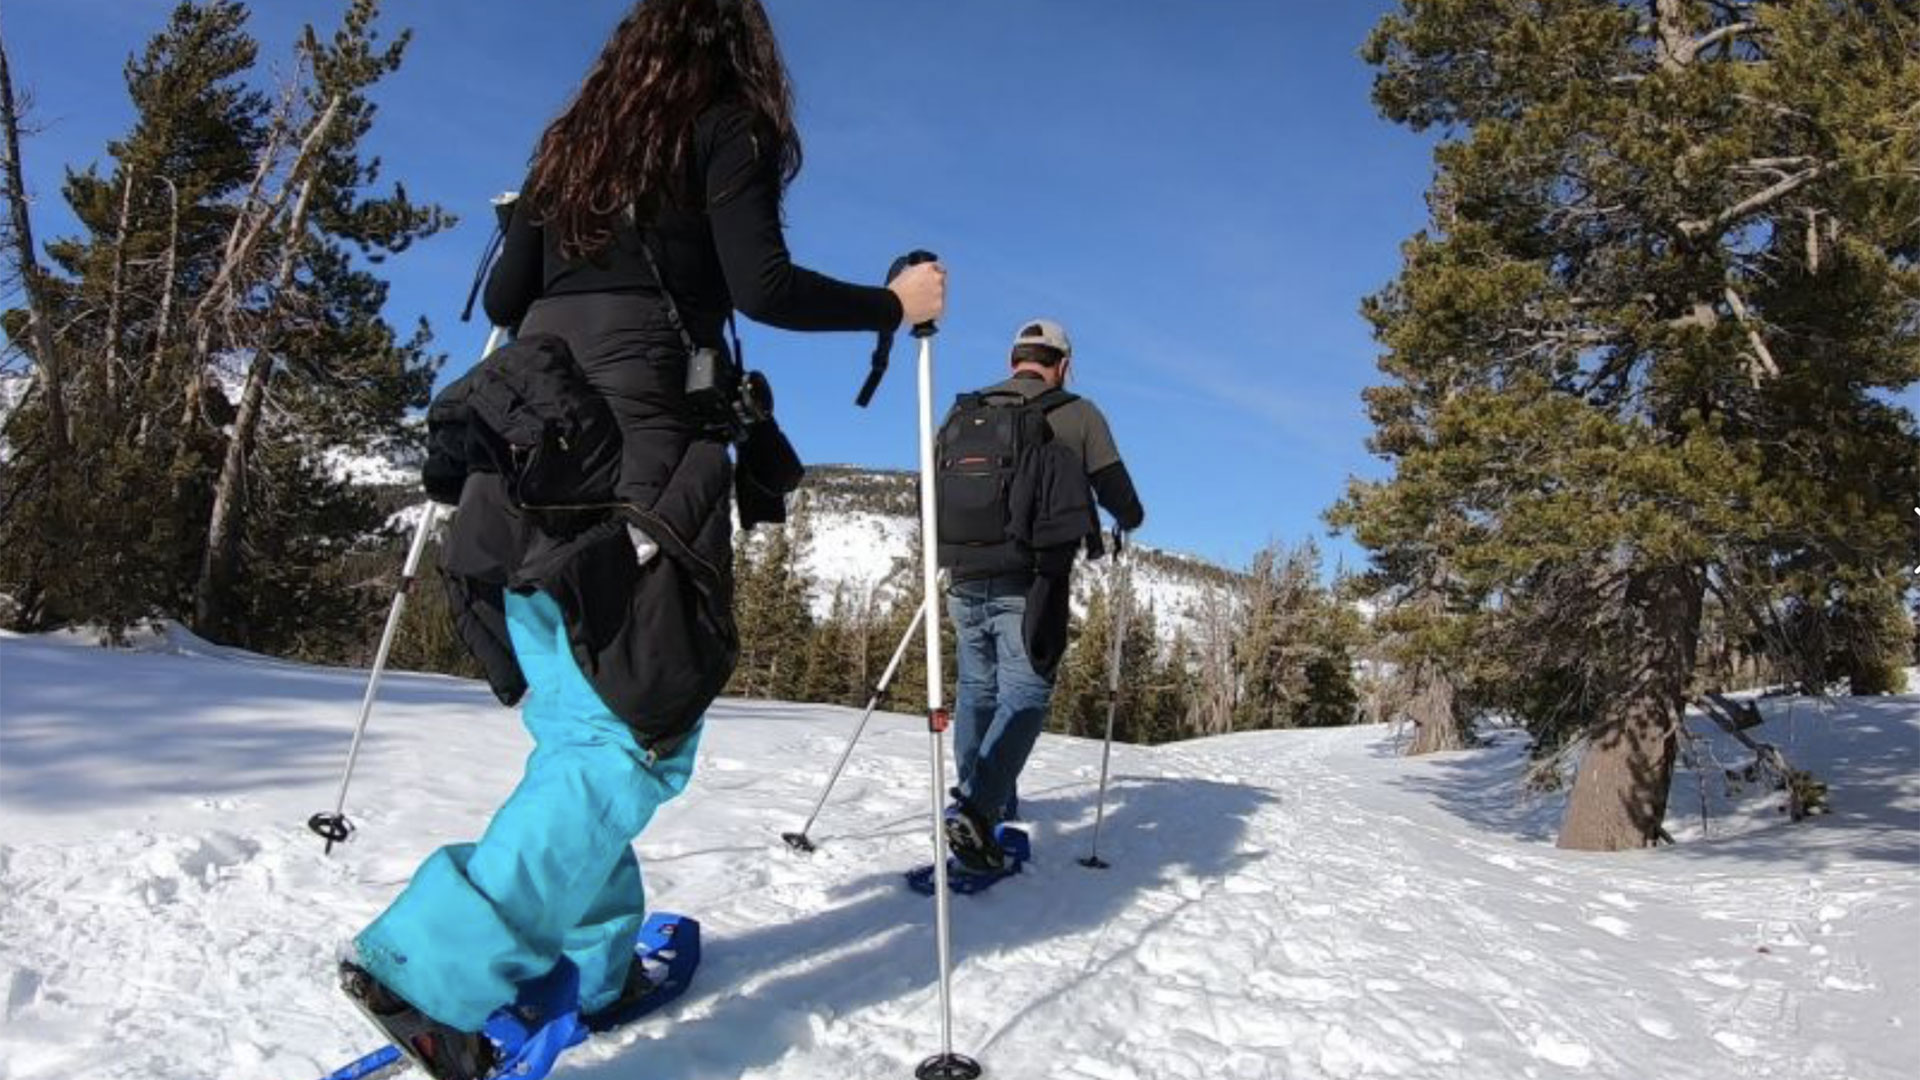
pixel 1757 201
pixel 47 365
pixel 1764 362
pixel 1724 33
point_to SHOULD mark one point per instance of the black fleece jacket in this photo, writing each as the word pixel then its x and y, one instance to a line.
pixel 729 254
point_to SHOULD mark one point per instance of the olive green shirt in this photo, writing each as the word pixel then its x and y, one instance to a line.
pixel 1078 424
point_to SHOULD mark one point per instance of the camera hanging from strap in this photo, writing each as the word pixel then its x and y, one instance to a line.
pixel 726 399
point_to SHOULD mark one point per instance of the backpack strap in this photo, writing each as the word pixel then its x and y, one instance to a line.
pixel 1053 398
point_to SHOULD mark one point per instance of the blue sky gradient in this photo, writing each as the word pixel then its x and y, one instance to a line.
pixel 1201 193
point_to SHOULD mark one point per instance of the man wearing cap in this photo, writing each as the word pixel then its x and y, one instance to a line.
pixel 1004 690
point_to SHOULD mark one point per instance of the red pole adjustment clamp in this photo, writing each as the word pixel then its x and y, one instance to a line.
pixel 938 720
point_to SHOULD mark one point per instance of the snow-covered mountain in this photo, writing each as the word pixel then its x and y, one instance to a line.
pixel 858 528
pixel 860 525
pixel 1301 905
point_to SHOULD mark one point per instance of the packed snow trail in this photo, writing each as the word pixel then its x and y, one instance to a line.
pixel 1289 904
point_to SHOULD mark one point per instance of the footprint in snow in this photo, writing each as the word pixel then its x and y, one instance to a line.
pixel 1739 1044
pixel 1564 1051
pixel 1657 1027
pixel 1615 926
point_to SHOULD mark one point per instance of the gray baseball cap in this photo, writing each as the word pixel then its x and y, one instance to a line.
pixel 1044 332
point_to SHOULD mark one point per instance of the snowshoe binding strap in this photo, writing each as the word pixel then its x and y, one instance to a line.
pixel 440 1051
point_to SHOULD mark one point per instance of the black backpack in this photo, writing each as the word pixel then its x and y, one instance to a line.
pixel 986 440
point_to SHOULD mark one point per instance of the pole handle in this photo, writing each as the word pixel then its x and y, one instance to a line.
pixel 915 258
pixel 883 343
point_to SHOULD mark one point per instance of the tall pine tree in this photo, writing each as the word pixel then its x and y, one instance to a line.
pixel 154 225
pixel 1646 349
pixel 230 238
pixel 310 313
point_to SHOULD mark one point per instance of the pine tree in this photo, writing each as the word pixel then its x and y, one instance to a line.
pixel 771 609
pixel 828 679
pixel 1175 678
pixel 1139 707
pixel 1216 683
pixel 1079 705
pixel 318 340
pixel 1644 352
pixel 1332 698
pixel 1873 639
pixel 1294 656
pixel 1153 695
pixel 908 693
pixel 153 231
pixel 229 228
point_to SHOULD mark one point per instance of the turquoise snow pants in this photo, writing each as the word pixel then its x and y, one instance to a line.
pixel 555 874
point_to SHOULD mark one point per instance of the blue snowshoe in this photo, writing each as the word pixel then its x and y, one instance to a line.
pixel 1015 850
pixel 524 1040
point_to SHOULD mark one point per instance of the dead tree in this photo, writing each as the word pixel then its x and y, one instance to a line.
pixel 46 358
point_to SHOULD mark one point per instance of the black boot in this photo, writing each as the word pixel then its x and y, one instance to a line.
pixel 970 838
pixel 444 1053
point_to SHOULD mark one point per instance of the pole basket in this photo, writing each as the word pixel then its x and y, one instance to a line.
pixel 798 841
pixel 331 827
pixel 948 1067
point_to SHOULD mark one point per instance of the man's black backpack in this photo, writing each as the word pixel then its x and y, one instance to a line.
pixel 985 459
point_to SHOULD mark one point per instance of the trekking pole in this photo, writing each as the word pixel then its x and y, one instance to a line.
pixel 798 841
pixel 1122 602
pixel 334 827
pixel 946 1065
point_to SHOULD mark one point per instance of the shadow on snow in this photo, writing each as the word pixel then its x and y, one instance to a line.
pixel 882 941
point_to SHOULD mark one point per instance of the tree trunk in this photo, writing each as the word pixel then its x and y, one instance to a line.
pixel 212 592
pixel 242 239
pixel 116 298
pixel 1436 724
pixel 1674 45
pixel 1433 697
pixel 1620 795
pixel 46 362
pixel 149 406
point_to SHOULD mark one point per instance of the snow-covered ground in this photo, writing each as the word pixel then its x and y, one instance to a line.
pixel 1296 905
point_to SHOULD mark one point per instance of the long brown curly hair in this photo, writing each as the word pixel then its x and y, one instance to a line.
pixel 627 137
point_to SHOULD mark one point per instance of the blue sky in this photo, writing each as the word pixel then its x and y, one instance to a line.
pixel 1201 193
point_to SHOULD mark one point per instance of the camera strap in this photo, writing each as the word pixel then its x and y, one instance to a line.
pixel 673 310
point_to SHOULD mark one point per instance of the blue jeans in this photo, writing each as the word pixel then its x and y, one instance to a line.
pixel 554 875
pixel 1002 703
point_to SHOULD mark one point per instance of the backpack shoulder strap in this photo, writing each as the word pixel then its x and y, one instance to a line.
pixel 1053 398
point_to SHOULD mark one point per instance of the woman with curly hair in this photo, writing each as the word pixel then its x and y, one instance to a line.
pixel 651 213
